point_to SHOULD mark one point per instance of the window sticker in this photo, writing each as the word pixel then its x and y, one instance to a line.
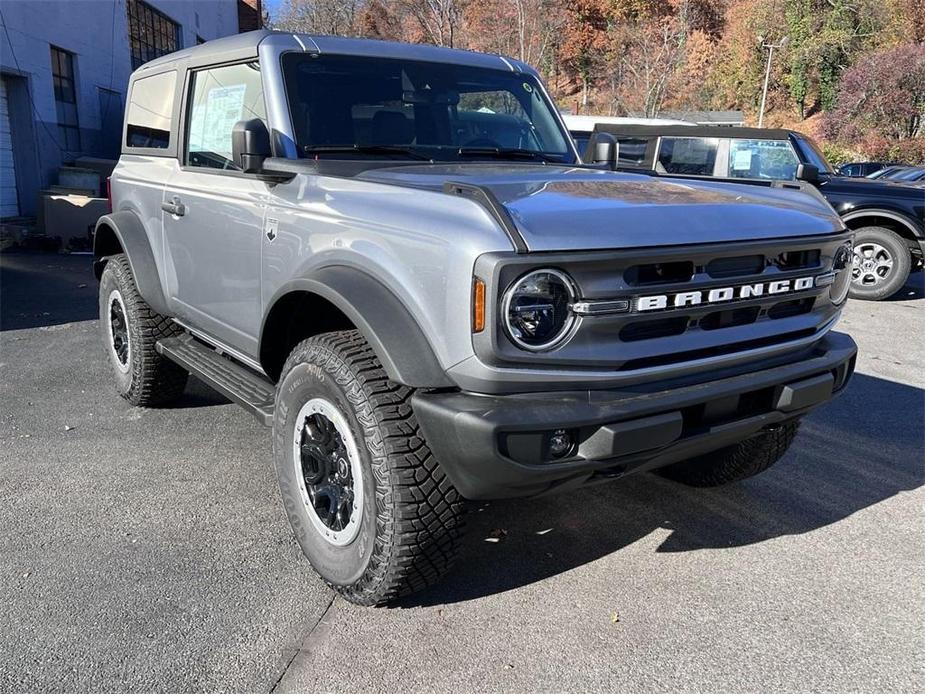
pixel 212 122
pixel 742 161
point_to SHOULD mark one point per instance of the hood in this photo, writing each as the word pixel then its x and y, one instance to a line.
pixel 872 187
pixel 559 208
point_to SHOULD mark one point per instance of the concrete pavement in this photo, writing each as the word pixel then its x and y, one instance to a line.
pixel 146 550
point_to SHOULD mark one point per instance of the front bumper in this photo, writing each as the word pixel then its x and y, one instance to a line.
pixel 495 446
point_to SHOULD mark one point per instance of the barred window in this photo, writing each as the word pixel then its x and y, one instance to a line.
pixel 62 72
pixel 151 33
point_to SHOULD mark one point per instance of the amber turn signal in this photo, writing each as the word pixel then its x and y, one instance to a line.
pixel 478 305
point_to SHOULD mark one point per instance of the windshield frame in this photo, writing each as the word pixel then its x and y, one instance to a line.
pixel 813 155
pixel 569 158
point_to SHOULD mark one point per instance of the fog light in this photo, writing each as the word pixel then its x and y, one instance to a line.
pixel 560 443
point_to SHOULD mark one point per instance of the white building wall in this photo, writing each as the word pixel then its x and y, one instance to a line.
pixel 96 32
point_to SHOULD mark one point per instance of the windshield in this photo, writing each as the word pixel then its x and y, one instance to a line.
pixel 813 154
pixel 373 107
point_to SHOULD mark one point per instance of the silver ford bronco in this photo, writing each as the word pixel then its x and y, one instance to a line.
pixel 394 257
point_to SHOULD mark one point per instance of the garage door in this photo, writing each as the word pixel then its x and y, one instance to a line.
pixel 9 206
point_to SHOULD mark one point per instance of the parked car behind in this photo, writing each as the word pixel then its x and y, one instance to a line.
pixel 860 169
pixel 887 171
pixel 581 127
pixel 888 217
pixel 909 174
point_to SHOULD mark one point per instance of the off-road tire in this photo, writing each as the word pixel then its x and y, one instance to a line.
pixel 894 244
pixel 412 516
pixel 734 463
pixel 147 379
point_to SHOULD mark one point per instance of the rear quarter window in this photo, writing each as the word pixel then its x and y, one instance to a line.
pixel 149 115
pixel 632 151
pixel 692 156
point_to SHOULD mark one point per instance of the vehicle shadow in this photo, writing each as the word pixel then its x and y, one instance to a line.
pixel 914 288
pixel 857 451
pixel 197 394
pixel 42 289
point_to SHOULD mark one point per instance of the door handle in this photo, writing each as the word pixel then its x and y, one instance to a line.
pixel 174 207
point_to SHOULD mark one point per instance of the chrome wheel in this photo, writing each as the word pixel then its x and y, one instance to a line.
pixel 327 462
pixel 872 264
pixel 118 331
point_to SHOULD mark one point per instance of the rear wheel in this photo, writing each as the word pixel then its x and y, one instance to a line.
pixel 130 329
pixel 734 463
pixel 368 504
pixel 881 264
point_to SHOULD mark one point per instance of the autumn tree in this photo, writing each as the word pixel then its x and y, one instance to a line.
pixel 880 108
pixel 336 17
pixel 433 21
pixel 376 21
pixel 524 29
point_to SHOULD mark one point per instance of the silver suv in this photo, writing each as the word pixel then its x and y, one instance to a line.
pixel 392 255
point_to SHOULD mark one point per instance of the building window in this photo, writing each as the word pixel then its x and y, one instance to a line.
pixel 151 33
pixel 62 72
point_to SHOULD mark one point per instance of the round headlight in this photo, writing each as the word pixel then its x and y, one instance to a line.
pixel 841 266
pixel 535 309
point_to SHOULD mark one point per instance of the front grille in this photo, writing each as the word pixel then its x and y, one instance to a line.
pixel 737 266
pixel 798 260
pixel 729 318
pixel 795 307
pixel 651 329
pixel 718 350
pixel 658 273
pixel 686 302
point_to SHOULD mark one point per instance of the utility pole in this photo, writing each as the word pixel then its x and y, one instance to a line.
pixel 767 73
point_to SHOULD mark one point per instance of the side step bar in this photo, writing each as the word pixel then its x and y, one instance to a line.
pixel 237 383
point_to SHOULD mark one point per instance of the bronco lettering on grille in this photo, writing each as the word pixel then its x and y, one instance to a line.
pixel 722 294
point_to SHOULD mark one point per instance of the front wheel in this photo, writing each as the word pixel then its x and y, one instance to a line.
pixel 881 264
pixel 368 503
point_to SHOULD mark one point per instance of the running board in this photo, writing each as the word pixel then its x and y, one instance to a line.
pixel 237 383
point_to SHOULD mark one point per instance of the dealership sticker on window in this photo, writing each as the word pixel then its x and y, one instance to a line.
pixel 742 160
pixel 212 122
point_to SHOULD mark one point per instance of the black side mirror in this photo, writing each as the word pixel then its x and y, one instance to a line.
pixel 604 150
pixel 808 173
pixel 250 145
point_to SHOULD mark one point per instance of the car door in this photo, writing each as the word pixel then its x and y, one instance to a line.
pixel 213 213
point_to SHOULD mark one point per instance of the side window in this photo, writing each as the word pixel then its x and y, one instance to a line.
pixel 694 156
pixel 150 111
pixel 632 151
pixel 221 97
pixel 772 159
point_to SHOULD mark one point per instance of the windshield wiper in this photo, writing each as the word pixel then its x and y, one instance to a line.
pixel 365 149
pixel 507 153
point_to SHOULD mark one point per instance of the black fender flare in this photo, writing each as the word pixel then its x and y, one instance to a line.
pixel 124 230
pixel 381 317
pixel 897 217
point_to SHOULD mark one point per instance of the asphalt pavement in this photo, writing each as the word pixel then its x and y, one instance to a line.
pixel 146 549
